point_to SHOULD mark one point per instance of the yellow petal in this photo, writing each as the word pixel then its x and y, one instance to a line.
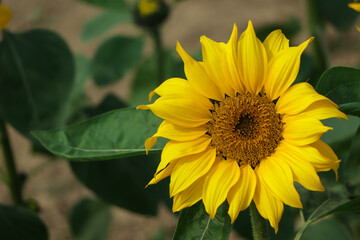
pixel 297 98
pixel 162 174
pixel 327 153
pixel 189 196
pixel 212 53
pixel 191 168
pixel 179 86
pixel 217 184
pixel 355 6
pixel 268 206
pixel 174 150
pixel 229 63
pixel 5 16
pixel 184 112
pixel 322 110
pixel 275 42
pixel 319 154
pixel 175 132
pixel 299 131
pixel 283 69
pixel 253 62
pixel 303 171
pixel 197 76
pixel 279 180
pixel 241 194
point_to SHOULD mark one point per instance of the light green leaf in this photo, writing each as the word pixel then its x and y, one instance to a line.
pixel 330 206
pixel 21 223
pixel 328 229
pixel 36 78
pixel 114 58
pixel 116 134
pixel 195 223
pixel 104 22
pixel 90 220
pixel 342 85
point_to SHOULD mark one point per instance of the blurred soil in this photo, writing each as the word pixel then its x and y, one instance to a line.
pixel 52 183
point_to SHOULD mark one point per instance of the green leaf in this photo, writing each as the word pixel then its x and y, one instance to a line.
pixel 342 85
pixel 329 229
pixel 195 223
pixel 122 182
pixel 103 22
pixel 21 223
pixel 146 77
pixel 352 166
pixel 338 13
pixel 112 135
pixel 114 58
pixel 36 78
pixel 90 220
pixel 110 4
pixel 330 206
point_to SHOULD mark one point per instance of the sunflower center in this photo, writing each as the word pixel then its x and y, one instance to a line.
pixel 245 128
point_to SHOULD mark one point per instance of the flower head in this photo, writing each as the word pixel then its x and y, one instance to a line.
pixel 239 131
pixel 5 16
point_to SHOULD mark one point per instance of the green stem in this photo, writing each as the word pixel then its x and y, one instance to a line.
pixel 156 35
pixel 317 29
pixel 258 224
pixel 13 177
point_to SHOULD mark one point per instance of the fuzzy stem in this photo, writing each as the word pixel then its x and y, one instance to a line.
pixel 156 36
pixel 258 224
pixel 13 177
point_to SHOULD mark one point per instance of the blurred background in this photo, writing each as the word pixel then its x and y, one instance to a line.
pixel 56 189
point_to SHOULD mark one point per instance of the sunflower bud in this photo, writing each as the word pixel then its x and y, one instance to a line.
pixel 5 16
pixel 150 13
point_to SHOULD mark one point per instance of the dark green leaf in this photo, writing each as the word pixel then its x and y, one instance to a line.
pixel 338 13
pixel 352 166
pixel 103 22
pixel 289 28
pixel 195 223
pixel 110 102
pixel 36 78
pixel 328 229
pixel 146 77
pixel 90 220
pixel 20 223
pixel 122 182
pixel 114 58
pixel 342 85
pixel 110 4
pixel 112 135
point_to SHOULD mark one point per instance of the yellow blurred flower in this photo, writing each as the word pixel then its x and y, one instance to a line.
pixel 356 7
pixel 5 16
pixel 238 131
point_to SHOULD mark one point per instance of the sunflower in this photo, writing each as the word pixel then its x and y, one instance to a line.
pixel 238 131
